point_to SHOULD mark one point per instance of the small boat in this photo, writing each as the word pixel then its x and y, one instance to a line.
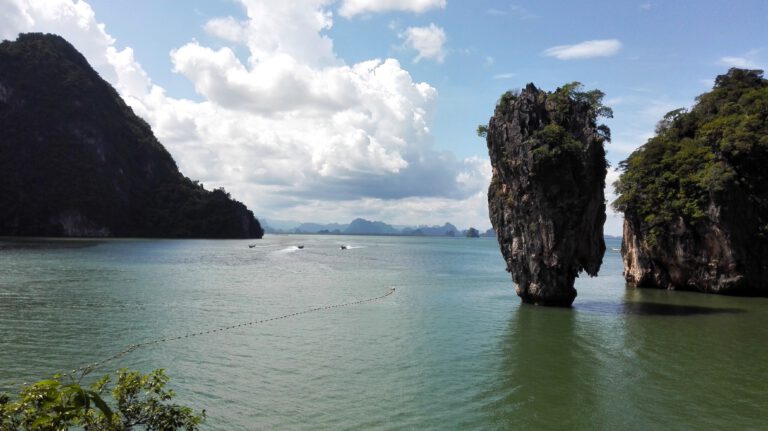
pixel 343 247
pixel 300 246
pixel 251 245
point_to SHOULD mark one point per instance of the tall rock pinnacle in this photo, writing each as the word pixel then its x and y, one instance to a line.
pixel 546 197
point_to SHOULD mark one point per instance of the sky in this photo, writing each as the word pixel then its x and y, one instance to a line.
pixel 327 110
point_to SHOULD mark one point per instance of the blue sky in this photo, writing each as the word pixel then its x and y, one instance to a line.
pixel 401 152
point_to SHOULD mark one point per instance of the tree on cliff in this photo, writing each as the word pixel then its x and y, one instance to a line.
pixel 721 141
pixel 702 176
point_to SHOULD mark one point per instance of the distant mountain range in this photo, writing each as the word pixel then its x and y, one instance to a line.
pixel 444 230
pixel 325 228
pixel 360 226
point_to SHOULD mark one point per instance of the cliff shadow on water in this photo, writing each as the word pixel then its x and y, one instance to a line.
pixel 640 303
pixel 690 359
pixel 32 243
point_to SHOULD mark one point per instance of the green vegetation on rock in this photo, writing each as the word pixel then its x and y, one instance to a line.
pixel 699 157
pixel 555 142
pixel 568 96
pixel 561 138
pixel 552 143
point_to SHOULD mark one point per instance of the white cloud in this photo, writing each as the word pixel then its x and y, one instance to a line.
pixel 293 131
pixel 131 79
pixel 741 62
pixel 227 28
pixel 350 8
pixel 76 22
pixel 654 110
pixel 427 41
pixel 513 10
pixel 645 108
pixel 749 60
pixel 504 75
pixel 587 49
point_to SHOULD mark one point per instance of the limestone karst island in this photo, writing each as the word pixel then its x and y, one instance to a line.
pixel 78 162
pixel 383 215
pixel 695 196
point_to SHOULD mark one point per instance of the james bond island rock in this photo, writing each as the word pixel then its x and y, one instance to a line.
pixel 546 198
pixel 76 161
pixel 695 196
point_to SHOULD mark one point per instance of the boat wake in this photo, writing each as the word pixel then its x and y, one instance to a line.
pixel 291 249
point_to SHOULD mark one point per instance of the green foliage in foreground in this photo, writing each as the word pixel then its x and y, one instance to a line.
pixel 718 148
pixel 138 402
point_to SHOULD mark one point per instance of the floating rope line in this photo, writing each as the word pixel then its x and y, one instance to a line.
pixel 86 369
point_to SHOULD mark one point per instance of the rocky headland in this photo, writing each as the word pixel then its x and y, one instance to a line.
pixel 546 198
pixel 695 196
pixel 76 161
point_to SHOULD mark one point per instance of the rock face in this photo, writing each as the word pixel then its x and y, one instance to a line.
pixel 76 161
pixel 546 199
pixel 695 196
pixel 703 258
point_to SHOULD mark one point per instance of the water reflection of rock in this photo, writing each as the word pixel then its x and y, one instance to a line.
pixel 547 376
pixel 45 243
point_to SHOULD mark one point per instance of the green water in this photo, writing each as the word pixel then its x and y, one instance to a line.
pixel 453 348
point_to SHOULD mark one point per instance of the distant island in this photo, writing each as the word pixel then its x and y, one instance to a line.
pixel 75 160
pixel 361 226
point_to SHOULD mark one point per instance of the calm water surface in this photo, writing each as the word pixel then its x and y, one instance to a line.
pixel 453 348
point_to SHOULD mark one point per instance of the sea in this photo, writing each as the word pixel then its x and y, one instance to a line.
pixel 451 348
